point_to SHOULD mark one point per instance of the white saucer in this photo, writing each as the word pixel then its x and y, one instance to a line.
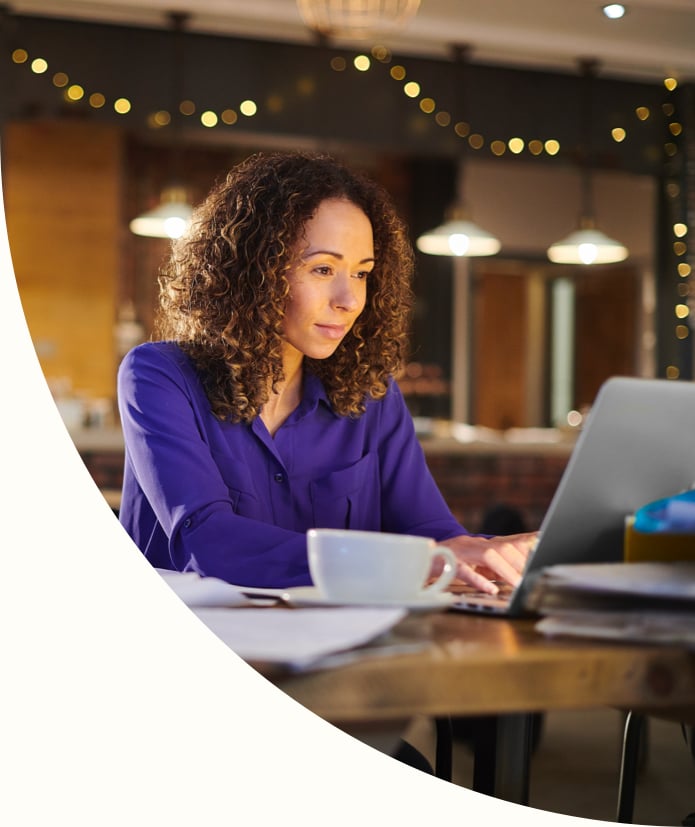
pixel 309 596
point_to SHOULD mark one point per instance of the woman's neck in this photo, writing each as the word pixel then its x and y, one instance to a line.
pixel 284 399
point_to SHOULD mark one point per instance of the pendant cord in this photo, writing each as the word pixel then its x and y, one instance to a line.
pixel 588 68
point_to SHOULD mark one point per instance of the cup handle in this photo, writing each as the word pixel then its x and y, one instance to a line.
pixel 448 572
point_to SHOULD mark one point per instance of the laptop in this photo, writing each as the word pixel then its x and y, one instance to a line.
pixel 637 446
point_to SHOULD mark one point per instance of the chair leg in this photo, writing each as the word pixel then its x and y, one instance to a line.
pixel 689 736
pixel 443 763
pixel 629 765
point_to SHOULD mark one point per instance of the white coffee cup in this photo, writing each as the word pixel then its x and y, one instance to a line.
pixel 349 566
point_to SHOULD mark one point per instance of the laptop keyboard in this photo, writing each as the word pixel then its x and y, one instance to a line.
pixel 468 597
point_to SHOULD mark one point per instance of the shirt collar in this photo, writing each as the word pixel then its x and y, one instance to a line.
pixel 313 395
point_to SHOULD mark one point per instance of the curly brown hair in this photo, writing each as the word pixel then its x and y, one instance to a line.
pixel 223 291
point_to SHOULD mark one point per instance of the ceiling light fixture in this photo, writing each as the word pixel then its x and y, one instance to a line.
pixel 169 219
pixel 587 245
pixel 458 235
pixel 172 216
pixel 357 19
pixel 614 11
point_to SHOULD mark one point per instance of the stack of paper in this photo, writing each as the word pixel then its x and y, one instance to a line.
pixel 295 638
pixel 642 602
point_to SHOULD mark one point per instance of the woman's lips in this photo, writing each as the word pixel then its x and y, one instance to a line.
pixel 332 331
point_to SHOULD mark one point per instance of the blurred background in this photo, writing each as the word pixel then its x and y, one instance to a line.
pixel 533 120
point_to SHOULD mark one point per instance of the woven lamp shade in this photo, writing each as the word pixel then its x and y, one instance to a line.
pixel 356 18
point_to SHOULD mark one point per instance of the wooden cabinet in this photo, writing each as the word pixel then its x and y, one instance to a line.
pixel 61 182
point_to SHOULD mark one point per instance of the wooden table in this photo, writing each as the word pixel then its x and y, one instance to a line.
pixel 502 670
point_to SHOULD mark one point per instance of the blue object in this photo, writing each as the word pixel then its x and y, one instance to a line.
pixel 673 515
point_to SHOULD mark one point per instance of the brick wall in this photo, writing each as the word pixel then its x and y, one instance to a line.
pixel 106 468
pixel 473 482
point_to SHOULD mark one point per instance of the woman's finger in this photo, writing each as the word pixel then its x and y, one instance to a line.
pixel 474 578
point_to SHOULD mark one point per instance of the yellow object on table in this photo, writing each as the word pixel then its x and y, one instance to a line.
pixel 656 546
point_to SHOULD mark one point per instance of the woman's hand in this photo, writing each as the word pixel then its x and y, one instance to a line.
pixel 482 560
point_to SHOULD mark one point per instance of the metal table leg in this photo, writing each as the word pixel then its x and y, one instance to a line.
pixel 502 756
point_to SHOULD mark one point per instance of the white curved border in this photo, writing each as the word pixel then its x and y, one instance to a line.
pixel 118 706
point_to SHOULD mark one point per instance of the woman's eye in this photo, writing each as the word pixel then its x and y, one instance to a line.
pixel 363 274
pixel 323 270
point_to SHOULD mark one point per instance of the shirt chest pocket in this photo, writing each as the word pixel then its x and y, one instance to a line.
pixel 237 478
pixel 348 498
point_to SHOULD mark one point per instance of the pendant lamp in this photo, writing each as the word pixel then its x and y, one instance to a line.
pixel 169 219
pixel 587 244
pixel 358 19
pixel 172 216
pixel 459 235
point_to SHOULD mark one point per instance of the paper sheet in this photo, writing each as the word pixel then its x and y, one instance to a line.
pixel 297 637
pixel 292 637
pixel 210 591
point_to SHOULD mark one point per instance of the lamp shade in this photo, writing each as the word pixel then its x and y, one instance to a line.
pixel 356 18
pixel 587 245
pixel 458 237
pixel 170 219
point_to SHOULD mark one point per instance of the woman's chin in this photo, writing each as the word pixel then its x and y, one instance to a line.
pixel 322 352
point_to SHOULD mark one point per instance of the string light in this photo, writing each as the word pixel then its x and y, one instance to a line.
pixel 248 108
pixel 74 92
pixel 682 309
pixel 362 63
pixel 428 106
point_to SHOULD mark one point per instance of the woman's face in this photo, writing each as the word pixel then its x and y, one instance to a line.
pixel 328 287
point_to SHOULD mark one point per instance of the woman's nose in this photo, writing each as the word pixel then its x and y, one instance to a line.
pixel 348 293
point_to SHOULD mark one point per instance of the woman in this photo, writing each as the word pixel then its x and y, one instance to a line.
pixel 268 406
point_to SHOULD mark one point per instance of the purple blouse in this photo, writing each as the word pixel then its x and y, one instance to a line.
pixel 230 501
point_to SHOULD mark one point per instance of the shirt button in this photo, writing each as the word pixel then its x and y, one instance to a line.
pixel 187 523
pixel 279 477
